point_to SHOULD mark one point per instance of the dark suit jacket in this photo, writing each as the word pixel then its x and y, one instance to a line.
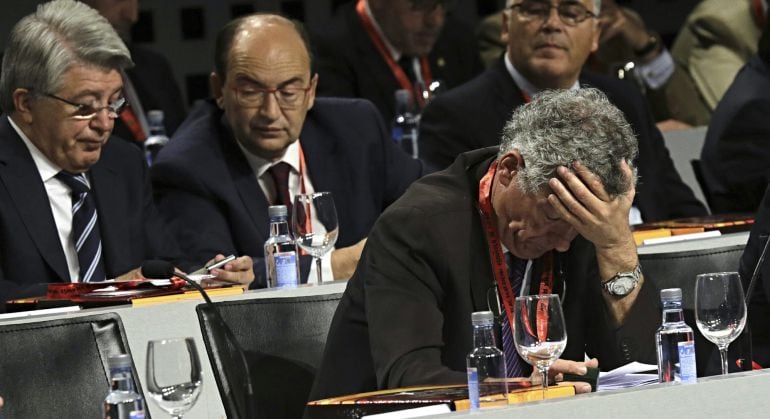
pixel 759 304
pixel 350 65
pixel 30 252
pixel 210 196
pixel 157 89
pixel 736 154
pixel 473 115
pixel 405 317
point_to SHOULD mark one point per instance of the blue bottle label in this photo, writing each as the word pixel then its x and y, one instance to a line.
pixel 286 269
pixel 473 388
pixel 687 371
pixel 397 133
pixel 137 414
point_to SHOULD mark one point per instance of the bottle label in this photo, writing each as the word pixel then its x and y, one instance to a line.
pixel 286 269
pixel 397 133
pixel 473 388
pixel 136 414
pixel 687 370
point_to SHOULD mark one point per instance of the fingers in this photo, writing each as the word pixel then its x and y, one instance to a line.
pixel 240 270
pixel 563 366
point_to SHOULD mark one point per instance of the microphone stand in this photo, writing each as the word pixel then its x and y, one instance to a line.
pixel 228 333
pixel 747 363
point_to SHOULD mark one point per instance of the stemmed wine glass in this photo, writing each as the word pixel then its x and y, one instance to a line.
pixel 539 332
pixel 173 374
pixel 720 309
pixel 315 225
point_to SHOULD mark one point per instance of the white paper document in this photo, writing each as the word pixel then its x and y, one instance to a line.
pixel 630 375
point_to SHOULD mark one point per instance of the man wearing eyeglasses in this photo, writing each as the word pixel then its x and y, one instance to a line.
pixel 74 205
pixel 265 138
pixel 374 47
pixel 548 42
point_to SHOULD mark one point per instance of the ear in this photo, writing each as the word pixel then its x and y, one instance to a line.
pixel 21 102
pixel 311 92
pixel 508 167
pixel 596 35
pixel 216 84
pixel 504 32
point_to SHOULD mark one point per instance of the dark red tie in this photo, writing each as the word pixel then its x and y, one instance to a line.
pixel 280 173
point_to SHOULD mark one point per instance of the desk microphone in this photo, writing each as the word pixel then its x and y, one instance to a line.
pixel 160 269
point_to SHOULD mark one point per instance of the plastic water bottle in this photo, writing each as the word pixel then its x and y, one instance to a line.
pixel 405 128
pixel 675 341
pixel 157 139
pixel 487 384
pixel 123 402
pixel 281 260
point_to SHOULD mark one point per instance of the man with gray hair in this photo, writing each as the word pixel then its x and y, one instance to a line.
pixel 74 206
pixel 552 204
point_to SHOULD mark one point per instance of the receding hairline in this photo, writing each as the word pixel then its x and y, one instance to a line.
pixel 263 25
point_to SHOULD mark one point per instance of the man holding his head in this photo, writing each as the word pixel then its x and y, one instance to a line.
pixel 74 206
pixel 375 47
pixel 553 201
pixel 264 138
pixel 548 42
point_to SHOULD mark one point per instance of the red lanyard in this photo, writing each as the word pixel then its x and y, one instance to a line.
pixel 499 268
pixel 396 69
pixel 759 13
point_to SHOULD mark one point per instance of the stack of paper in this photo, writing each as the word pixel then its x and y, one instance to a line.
pixel 630 375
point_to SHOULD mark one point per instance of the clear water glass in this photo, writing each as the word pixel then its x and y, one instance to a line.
pixel 173 374
pixel 720 309
pixel 315 225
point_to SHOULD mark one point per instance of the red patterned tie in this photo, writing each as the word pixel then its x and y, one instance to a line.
pixel 280 174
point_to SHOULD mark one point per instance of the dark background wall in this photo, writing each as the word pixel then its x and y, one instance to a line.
pixel 184 30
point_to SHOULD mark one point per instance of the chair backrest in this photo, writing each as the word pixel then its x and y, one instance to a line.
pixel 283 340
pixel 678 270
pixel 58 368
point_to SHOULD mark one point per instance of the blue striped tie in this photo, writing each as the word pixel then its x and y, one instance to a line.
pixel 85 227
pixel 516 367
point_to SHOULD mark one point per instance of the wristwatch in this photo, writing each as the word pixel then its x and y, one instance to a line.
pixel 623 282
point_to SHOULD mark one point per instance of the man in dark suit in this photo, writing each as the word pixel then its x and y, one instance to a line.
pixel 547 50
pixel 74 206
pixel 736 154
pixel 216 178
pixel 374 47
pixel 437 254
pixel 152 81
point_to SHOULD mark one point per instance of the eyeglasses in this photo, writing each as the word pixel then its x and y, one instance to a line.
pixel 427 6
pixel 287 97
pixel 571 13
pixel 86 112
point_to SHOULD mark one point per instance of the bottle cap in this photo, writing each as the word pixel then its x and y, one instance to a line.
pixel 119 361
pixel 671 295
pixel 403 96
pixel 480 318
pixel 277 211
pixel 155 117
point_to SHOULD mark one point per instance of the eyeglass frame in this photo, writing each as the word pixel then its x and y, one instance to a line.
pixel 113 109
pixel 274 90
pixel 544 17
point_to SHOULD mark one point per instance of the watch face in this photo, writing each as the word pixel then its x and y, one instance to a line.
pixel 622 285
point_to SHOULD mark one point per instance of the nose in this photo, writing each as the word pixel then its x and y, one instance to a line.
pixel 435 18
pixel 552 20
pixel 102 121
pixel 131 11
pixel 269 107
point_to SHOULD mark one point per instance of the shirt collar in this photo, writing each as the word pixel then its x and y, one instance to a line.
pixel 525 85
pixel 394 52
pixel 45 167
pixel 260 165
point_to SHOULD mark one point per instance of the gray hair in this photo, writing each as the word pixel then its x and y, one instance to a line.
pixel 597 5
pixel 560 127
pixel 45 44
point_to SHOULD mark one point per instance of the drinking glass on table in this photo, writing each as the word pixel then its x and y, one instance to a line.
pixel 315 225
pixel 720 309
pixel 539 332
pixel 173 374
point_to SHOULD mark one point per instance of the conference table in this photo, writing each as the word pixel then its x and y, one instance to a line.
pixel 744 393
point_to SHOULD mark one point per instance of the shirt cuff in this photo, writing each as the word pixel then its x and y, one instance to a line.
pixel 657 72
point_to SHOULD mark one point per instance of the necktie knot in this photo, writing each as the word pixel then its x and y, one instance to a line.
pixel 76 181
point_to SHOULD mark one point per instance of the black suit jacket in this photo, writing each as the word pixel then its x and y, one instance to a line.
pixel 405 317
pixel 156 87
pixel 350 65
pixel 30 252
pixel 210 196
pixel 473 115
pixel 736 154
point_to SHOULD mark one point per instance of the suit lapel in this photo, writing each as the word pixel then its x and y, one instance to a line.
pixel 22 180
pixel 112 206
pixel 481 261
pixel 323 163
pixel 507 94
pixel 376 67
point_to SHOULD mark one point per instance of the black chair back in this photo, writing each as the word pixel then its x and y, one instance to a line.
pixel 58 368
pixel 283 340
pixel 678 270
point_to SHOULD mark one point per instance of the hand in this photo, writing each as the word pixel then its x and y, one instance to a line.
pixel 563 366
pixel 345 260
pixel 620 21
pixel 240 270
pixel 132 275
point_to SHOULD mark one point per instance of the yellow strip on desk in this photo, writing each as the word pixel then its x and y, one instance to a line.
pixel 187 295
